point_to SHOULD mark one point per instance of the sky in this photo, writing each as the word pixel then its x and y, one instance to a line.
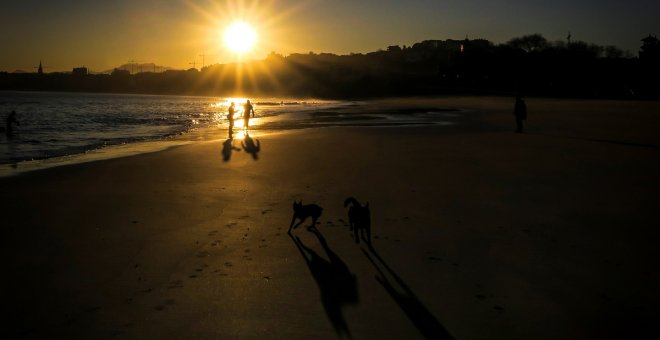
pixel 101 34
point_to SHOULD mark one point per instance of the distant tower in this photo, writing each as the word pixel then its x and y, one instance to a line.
pixel 40 70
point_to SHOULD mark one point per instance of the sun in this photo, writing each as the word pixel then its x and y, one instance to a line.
pixel 240 37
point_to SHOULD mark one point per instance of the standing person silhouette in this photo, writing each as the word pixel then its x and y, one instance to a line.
pixel 520 112
pixel 11 119
pixel 247 110
pixel 230 116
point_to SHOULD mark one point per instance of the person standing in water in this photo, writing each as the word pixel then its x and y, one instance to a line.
pixel 520 112
pixel 230 117
pixel 247 110
pixel 11 119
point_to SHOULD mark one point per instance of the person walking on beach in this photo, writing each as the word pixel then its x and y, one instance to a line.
pixel 11 119
pixel 230 117
pixel 520 112
pixel 247 110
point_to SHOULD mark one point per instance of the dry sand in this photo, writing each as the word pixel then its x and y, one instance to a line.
pixel 479 233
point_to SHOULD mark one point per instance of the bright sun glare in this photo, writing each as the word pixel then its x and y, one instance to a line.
pixel 239 37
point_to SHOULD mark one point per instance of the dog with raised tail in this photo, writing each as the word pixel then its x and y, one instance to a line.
pixel 359 220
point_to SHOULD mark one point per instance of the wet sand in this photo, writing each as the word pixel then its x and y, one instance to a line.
pixel 478 233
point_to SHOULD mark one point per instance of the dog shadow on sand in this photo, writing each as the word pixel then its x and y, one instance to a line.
pixel 337 285
pixel 425 322
pixel 359 218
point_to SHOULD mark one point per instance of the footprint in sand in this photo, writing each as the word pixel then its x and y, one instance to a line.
pixel 175 284
pixel 203 254
pixel 480 296
pixel 228 264
pixel 433 259
pixel 498 308
pixel 264 212
pixel 212 233
pixel 244 217
pixel 93 309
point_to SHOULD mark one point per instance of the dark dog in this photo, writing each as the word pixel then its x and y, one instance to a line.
pixel 302 212
pixel 359 219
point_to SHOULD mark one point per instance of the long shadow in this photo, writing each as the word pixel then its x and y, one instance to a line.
pixel 337 285
pixel 251 147
pixel 419 315
pixel 227 149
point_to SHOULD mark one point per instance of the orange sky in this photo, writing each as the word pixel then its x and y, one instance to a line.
pixel 103 34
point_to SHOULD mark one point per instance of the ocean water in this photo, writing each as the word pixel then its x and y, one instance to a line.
pixel 65 124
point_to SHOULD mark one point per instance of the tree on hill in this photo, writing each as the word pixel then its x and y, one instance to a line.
pixel 529 43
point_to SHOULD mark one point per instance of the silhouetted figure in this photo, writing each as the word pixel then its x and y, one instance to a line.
pixel 302 212
pixel 11 119
pixel 359 219
pixel 230 116
pixel 416 311
pixel 227 148
pixel 247 110
pixel 337 285
pixel 250 147
pixel 520 112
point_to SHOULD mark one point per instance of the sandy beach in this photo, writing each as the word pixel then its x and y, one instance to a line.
pixel 478 233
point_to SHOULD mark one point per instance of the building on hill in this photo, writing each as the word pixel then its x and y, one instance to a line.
pixel 650 50
pixel 79 71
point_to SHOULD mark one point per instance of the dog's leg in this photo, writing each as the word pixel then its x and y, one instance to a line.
pixel 291 225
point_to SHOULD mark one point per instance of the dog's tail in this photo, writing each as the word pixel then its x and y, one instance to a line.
pixel 351 200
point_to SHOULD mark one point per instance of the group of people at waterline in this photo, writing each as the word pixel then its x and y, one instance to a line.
pixel 247 113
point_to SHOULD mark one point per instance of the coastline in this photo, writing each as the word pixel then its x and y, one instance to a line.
pixel 485 232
